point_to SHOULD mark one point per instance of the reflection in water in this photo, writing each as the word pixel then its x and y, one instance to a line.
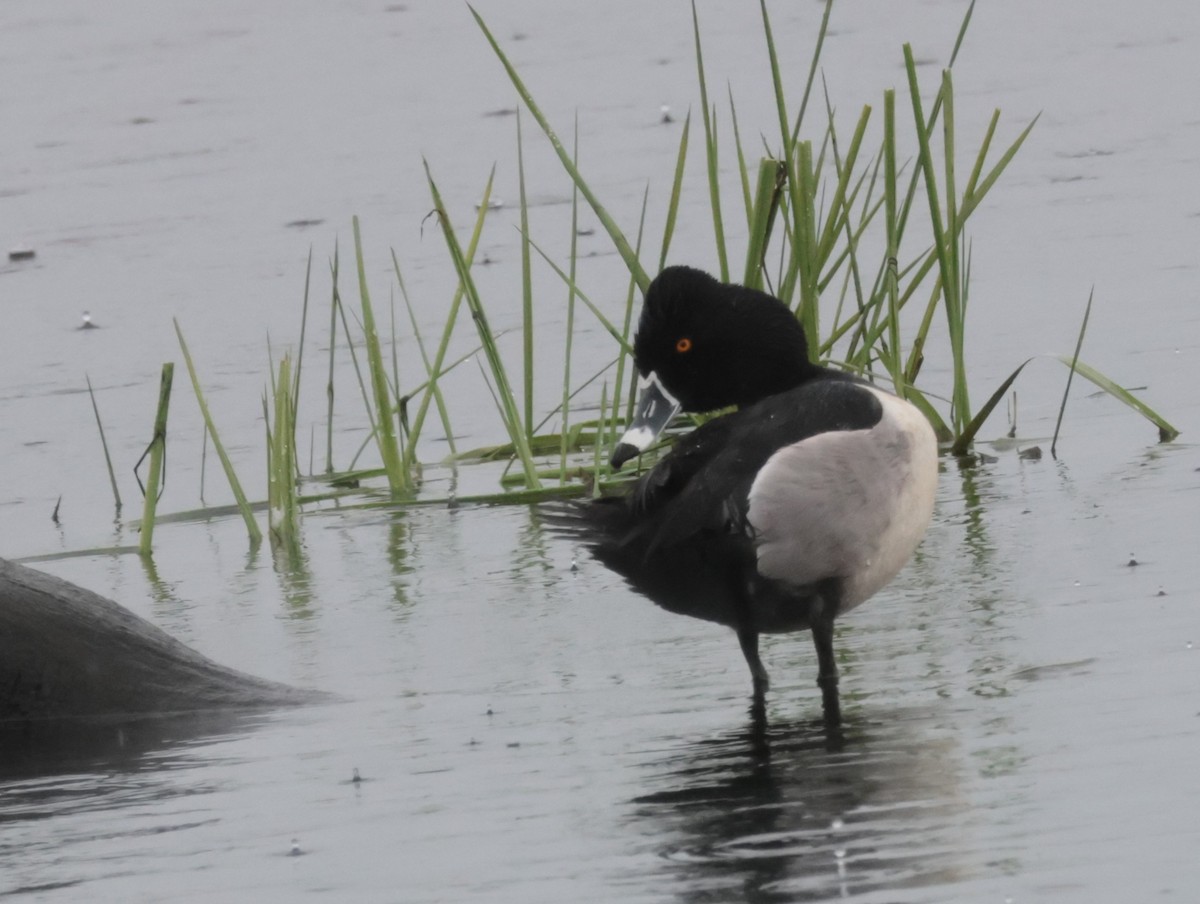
pixel 791 813
pixel 102 747
pixel 532 561
pixel 295 576
pixel 163 594
pixel 398 555
pixel 91 785
pixel 979 546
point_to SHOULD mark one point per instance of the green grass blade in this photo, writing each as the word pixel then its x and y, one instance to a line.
pixel 970 202
pixel 892 251
pixel 710 154
pixel 451 319
pixel 1166 431
pixel 235 485
pixel 610 226
pixel 743 173
pixel 112 476
pixel 628 325
pixel 303 330
pixel 676 191
pixel 565 406
pixel 582 296
pixel 772 176
pixel 838 205
pixel 944 244
pixel 329 388
pixel 812 69
pixel 431 375
pixel 967 435
pixel 505 400
pixel 526 282
pixel 1087 314
pixel 389 450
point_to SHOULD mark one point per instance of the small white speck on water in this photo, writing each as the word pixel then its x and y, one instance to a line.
pixel 837 823
pixel 1189 645
pixel 574 564
pixel 840 853
pixel 295 850
pixel 1076 583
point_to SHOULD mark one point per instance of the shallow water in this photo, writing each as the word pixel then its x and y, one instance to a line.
pixel 1022 703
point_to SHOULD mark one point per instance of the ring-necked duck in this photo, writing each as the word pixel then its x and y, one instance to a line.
pixel 781 515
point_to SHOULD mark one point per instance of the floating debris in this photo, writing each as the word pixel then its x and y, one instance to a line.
pixel 493 204
pixel 21 253
pixel 85 322
pixel 1033 453
pixel 303 223
pixel 666 116
pixel 296 850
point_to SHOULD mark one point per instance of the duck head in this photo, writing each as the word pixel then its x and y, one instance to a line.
pixel 703 345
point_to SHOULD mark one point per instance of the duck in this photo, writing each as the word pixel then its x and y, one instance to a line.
pixel 800 500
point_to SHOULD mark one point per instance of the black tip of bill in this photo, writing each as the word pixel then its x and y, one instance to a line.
pixel 655 409
pixel 623 453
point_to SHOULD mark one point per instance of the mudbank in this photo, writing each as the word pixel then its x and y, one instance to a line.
pixel 66 652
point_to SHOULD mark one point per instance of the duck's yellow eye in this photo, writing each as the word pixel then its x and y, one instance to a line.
pixel 683 345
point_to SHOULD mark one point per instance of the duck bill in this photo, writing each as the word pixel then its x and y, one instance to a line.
pixel 655 409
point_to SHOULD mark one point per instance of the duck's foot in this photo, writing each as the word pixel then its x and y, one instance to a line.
pixel 830 702
pixel 827 674
pixel 758 674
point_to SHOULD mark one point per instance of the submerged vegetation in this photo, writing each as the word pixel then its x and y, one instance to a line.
pixel 867 243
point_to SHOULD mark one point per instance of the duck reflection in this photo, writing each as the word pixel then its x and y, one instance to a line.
pixel 55 747
pixel 794 812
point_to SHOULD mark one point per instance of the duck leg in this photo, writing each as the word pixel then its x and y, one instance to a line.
pixel 748 638
pixel 827 674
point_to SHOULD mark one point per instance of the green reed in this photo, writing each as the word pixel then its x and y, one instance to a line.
pixel 818 227
pixel 235 485
pixel 829 223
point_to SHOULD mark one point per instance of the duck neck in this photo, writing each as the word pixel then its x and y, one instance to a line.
pixel 766 383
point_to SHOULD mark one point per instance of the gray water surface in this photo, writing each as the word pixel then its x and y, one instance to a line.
pixel 1023 705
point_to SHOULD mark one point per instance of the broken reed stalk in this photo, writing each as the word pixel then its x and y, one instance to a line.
pixel 157 451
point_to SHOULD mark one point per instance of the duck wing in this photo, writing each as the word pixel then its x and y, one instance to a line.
pixel 703 485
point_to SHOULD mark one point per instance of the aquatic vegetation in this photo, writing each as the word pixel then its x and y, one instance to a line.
pixel 862 234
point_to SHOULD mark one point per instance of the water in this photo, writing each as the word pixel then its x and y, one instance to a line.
pixel 1021 705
